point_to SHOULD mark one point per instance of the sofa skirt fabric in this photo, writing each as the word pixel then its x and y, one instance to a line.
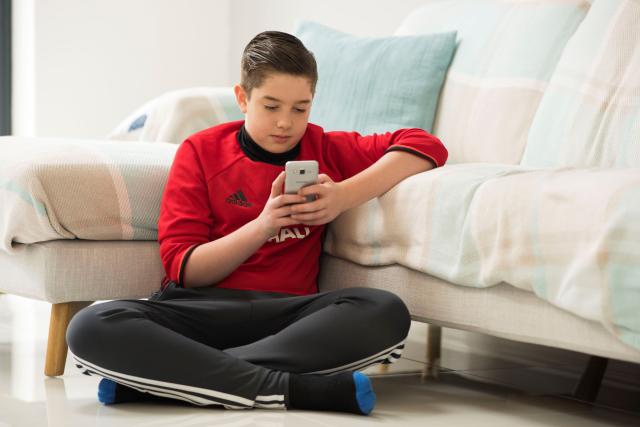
pixel 64 271
pixel 502 310
pixel 81 270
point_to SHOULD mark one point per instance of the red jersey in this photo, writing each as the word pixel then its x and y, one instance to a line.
pixel 213 189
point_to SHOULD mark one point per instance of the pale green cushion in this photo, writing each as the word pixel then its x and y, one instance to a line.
pixel 376 84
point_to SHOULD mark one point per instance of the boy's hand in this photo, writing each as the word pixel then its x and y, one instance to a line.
pixel 330 202
pixel 277 210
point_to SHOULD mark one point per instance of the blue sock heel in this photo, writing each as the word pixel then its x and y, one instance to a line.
pixel 364 392
pixel 107 391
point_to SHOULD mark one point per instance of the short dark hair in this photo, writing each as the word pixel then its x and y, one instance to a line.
pixel 275 51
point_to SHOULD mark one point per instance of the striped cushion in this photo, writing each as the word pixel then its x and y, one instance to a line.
pixel 57 188
pixel 590 114
pixel 173 116
pixel 506 54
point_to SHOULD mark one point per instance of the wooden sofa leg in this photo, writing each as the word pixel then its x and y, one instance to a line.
pixel 434 345
pixel 61 315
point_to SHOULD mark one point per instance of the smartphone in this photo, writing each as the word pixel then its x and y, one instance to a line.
pixel 300 173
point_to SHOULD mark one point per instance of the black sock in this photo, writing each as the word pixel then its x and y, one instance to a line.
pixel 324 392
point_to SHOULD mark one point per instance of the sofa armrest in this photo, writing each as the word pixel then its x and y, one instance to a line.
pixel 54 189
pixel 175 115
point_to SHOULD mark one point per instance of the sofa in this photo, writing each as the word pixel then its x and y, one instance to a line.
pixel 529 232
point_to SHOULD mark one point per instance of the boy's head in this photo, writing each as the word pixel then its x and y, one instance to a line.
pixel 278 79
pixel 276 52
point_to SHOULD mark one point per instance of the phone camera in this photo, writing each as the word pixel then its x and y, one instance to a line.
pixel 301 171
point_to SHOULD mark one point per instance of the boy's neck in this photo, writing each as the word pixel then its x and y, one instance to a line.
pixel 258 154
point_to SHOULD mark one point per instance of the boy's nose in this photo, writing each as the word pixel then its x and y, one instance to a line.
pixel 284 123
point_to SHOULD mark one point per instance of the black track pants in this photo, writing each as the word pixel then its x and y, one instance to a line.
pixel 236 348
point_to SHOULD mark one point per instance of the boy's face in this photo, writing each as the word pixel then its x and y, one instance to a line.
pixel 277 113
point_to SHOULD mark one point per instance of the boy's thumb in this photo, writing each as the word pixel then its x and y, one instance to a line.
pixel 276 186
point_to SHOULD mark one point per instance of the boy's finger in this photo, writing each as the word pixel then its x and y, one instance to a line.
pixel 288 221
pixel 312 216
pixel 310 206
pixel 288 199
pixel 282 212
pixel 285 211
pixel 276 186
pixel 324 178
pixel 311 189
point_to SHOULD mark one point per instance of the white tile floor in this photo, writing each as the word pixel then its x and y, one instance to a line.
pixel 470 391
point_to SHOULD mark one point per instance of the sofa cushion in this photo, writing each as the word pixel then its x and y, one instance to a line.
pixel 173 116
pixel 590 113
pixel 506 54
pixel 568 235
pixel 375 85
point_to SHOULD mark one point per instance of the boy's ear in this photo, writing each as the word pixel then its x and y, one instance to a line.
pixel 241 98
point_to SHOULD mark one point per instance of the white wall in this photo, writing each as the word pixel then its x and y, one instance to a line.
pixel 81 66
pixel 23 70
pixel 358 17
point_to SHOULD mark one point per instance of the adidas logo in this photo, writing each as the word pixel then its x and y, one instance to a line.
pixel 239 199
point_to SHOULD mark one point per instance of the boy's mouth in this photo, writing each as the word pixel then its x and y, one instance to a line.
pixel 281 137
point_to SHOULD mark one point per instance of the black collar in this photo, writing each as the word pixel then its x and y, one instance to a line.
pixel 259 154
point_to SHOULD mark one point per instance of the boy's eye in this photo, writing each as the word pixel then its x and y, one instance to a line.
pixel 275 107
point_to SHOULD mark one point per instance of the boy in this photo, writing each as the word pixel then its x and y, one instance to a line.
pixel 239 321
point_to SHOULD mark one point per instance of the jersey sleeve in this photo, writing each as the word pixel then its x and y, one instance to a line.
pixel 185 215
pixel 352 153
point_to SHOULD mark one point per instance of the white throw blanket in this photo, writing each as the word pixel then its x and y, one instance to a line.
pixel 572 236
